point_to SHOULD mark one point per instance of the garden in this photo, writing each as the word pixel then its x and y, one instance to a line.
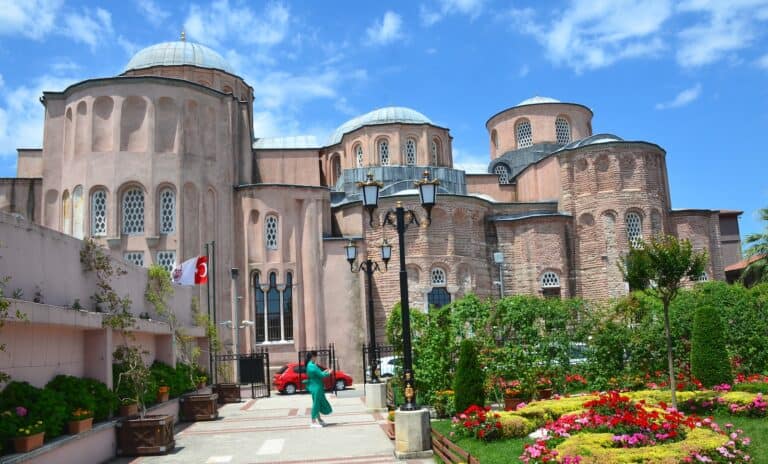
pixel 527 379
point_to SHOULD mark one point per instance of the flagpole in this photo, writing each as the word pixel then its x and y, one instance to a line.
pixel 213 277
pixel 208 304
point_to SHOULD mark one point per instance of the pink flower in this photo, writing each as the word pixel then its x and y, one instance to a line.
pixel 21 411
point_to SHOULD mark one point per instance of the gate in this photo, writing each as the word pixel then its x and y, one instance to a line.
pixel 252 368
pixel 382 351
pixel 325 359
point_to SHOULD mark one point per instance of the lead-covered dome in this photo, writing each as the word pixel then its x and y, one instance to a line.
pixel 537 100
pixel 387 115
pixel 176 54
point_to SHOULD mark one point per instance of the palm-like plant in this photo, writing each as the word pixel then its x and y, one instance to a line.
pixel 757 255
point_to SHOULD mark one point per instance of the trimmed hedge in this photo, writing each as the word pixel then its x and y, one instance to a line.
pixel 468 385
pixel 709 357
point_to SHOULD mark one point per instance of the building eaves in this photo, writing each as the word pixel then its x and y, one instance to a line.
pixel 527 215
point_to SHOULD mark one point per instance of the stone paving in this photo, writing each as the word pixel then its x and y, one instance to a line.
pixel 276 430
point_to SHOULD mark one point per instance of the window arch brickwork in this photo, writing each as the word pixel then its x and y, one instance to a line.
pixel 410 152
pixel 562 130
pixel 524 134
pixel 384 152
pixel 550 279
pixel 437 277
pixel 634 229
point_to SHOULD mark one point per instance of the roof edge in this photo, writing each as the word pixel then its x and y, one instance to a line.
pixel 536 104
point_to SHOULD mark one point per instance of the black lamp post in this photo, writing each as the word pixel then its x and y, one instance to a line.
pixel 369 267
pixel 400 218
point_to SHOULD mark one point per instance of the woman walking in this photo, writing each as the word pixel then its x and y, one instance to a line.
pixel 320 404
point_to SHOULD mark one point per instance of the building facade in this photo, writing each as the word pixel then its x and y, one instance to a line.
pixel 162 159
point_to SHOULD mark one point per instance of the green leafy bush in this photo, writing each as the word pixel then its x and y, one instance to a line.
pixel 74 391
pixel 469 380
pixel 180 380
pixel 709 358
pixel 105 399
pixel 41 404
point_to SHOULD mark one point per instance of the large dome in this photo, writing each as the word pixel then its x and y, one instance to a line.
pixel 537 100
pixel 178 53
pixel 387 115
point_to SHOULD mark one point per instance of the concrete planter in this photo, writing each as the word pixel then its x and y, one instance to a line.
pixel 150 435
pixel 228 392
pixel 198 407
pixel 80 426
pixel 28 443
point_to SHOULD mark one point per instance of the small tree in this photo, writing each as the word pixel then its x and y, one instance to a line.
pixel 658 267
pixel 757 269
pixel 709 357
pixel 469 383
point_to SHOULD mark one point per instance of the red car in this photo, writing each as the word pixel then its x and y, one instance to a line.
pixel 289 379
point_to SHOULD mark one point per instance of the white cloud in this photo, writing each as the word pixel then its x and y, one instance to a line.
pixel 470 163
pixel 220 23
pixel 763 61
pixel 436 12
pixel 524 70
pixel 29 18
pixel 129 47
pixel 681 99
pixel 590 35
pixel 385 31
pixel 343 106
pixel 64 65
pixel 726 28
pixel 152 12
pixel 91 27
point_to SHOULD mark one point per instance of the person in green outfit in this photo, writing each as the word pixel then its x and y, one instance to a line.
pixel 320 404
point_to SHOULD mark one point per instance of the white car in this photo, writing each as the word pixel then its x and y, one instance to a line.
pixel 388 364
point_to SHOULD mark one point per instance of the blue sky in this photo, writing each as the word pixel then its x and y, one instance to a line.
pixel 690 76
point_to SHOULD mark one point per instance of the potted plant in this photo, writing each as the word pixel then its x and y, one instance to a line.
pixel 81 420
pixel 390 426
pixel 544 388
pixel 163 393
pixel 30 433
pixel 200 381
pixel 513 395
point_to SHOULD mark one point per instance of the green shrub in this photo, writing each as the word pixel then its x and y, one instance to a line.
pixel 41 404
pixel 75 392
pixel 709 358
pixel 106 400
pixel 752 387
pixel 515 426
pixel 469 381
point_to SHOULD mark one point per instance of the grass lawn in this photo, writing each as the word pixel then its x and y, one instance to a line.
pixel 503 451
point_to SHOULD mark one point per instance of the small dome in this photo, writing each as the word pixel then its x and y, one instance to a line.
pixel 387 115
pixel 593 140
pixel 536 100
pixel 176 54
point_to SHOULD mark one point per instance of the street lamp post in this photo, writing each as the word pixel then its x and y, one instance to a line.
pixel 400 218
pixel 369 267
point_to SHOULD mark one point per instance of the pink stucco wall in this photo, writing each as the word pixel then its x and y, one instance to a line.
pixel 488 184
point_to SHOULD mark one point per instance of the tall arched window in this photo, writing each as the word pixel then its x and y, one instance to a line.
pixel 634 230
pixel 562 130
pixel 410 152
pixel 78 211
pixel 503 173
pixel 133 211
pixel 273 310
pixel 495 139
pixel 550 284
pixel 384 152
pixel 435 152
pixel 259 306
pixel 270 232
pixel 335 169
pixel 359 155
pixel 438 296
pixel 66 213
pixel 524 134
pixel 288 307
pixel 99 213
pixel 167 211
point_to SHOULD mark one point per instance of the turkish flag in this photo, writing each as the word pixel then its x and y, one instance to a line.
pixel 191 272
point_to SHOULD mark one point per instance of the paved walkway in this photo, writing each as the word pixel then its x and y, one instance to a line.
pixel 276 430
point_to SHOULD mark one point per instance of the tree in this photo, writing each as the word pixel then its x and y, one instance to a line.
pixel 468 386
pixel 757 269
pixel 709 357
pixel 658 267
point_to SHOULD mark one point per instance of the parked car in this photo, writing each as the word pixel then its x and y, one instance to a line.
pixel 388 364
pixel 289 379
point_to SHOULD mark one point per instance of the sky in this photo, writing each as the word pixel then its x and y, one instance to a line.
pixel 690 76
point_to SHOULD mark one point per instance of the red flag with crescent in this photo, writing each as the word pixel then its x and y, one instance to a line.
pixel 191 272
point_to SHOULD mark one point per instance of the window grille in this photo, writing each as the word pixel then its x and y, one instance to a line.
pixel 288 307
pixel 270 232
pixel 99 213
pixel 550 280
pixel 167 211
pixel 359 156
pixel 502 172
pixel 133 211
pixel 435 153
pixel 634 230
pixel 562 130
pixel 438 297
pixel 135 257
pixel 438 277
pixel 703 277
pixel 273 309
pixel 166 259
pixel 524 134
pixel 259 320
pixel 384 152
pixel 410 152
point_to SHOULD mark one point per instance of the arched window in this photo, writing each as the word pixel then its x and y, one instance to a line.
pixel 66 213
pixel 99 213
pixel 495 139
pixel 503 173
pixel 167 211
pixel 524 134
pixel 384 152
pixel 703 277
pixel 359 155
pixel 410 152
pixel 133 211
pixel 259 306
pixel 273 310
pixel 135 257
pixel 78 228
pixel 562 130
pixel 335 169
pixel 270 232
pixel 166 259
pixel 438 277
pixel 634 230
pixel 288 307
pixel 550 284
pixel 435 152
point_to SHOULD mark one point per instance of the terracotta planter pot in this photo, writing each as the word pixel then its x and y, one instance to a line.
pixel 26 444
pixel 163 393
pixel 228 392
pixel 139 437
pixel 545 393
pixel 510 404
pixel 198 407
pixel 128 410
pixel 80 426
